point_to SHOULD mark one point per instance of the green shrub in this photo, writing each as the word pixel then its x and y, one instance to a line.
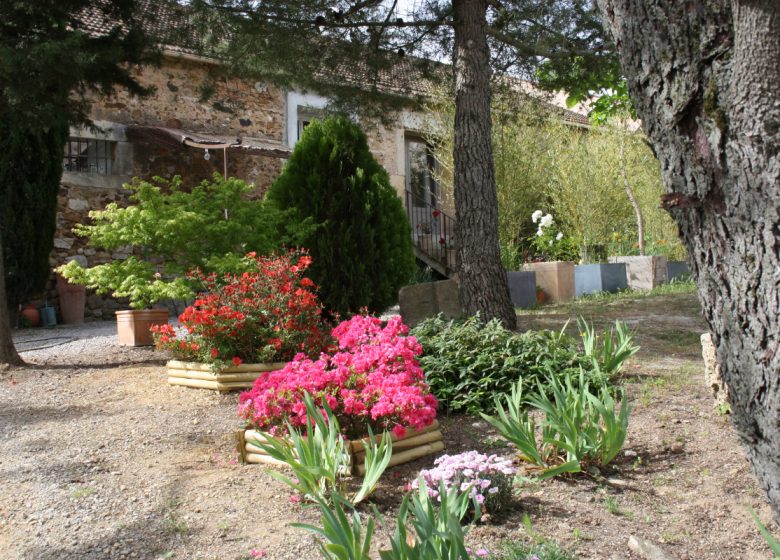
pixel 211 226
pixel 320 458
pixel 361 247
pixel 615 348
pixel 468 362
pixel 30 172
pixel 580 427
pixel 425 528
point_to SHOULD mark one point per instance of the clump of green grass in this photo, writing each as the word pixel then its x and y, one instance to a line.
pixel 547 550
pixel 82 492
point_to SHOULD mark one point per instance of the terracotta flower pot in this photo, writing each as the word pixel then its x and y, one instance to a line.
pixel 31 313
pixel 73 297
pixel 132 325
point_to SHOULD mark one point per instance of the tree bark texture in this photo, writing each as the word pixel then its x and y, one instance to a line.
pixel 481 276
pixel 8 353
pixel 704 77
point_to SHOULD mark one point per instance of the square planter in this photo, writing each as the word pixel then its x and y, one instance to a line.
pixel 522 288
pixel 202 376
pixel 415 444
pixel 420 301
pixel 555 278
pixel 677 270
pixel 594 278
pixel 132 325
pixel 644 273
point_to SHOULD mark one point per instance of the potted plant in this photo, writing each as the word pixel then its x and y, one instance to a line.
pixel 166 231
pixel 371 379
pixel 541 296
pixel 555 274
pixel 245 324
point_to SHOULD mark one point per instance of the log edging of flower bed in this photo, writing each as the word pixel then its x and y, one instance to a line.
pixel 415 444
pixel 203 376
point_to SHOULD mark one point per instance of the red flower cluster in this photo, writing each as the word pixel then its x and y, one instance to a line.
pixel 373 379
pixel 268 314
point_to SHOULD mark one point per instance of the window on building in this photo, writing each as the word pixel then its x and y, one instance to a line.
pixel 89 155
pixel 302 123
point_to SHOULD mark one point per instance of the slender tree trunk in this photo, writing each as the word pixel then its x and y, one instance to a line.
pixel 704 77
pixel 640 219
pixel 8 353
pixel 482 278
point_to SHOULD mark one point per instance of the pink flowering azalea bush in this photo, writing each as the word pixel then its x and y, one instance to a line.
pixel 487 478
pixel 371 379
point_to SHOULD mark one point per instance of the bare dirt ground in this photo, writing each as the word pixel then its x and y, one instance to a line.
pixel 100 458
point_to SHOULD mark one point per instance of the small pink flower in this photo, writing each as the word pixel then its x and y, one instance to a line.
pixel 482 553
pixel 399 431
pixel 254 553
pixel 295 499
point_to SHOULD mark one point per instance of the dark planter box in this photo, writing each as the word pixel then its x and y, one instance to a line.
pixel 677 270
pixel 522 288
pixel 594 278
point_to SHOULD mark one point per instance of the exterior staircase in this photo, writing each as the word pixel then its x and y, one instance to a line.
pixel 433 235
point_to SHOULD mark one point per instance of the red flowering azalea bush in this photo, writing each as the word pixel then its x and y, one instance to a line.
pixel 268 314
pixel 373 379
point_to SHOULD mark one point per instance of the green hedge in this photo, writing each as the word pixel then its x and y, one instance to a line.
pixel 468 362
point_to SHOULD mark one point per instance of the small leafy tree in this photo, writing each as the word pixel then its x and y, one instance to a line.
pixel 173 230
pixel 361 245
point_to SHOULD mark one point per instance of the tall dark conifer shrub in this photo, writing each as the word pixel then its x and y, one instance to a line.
pixel 30 170
pixel 50 71
pixel 361 248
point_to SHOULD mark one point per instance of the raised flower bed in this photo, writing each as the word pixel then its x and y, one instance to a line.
pixel 644 272
pixel 412 446
pixel 372 380
pixel 245 325
pixel 600 277
pixel 205 376
pixel 555 278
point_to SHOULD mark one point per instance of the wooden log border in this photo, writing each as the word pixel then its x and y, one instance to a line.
pixel 415 444
pixel 203 376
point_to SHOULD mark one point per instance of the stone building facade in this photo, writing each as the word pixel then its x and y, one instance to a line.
pixel 140 137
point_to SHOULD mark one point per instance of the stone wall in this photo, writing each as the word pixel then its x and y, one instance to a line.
pixel 188 95
pixel 196 96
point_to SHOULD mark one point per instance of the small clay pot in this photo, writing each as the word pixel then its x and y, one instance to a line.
pixel 32 314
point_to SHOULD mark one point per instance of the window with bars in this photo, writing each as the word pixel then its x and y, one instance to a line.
pixel 89 155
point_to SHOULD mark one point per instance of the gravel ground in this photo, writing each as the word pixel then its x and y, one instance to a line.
pixel 100 458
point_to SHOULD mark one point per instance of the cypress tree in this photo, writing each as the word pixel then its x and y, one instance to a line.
pixel 361 246
pixel 30 172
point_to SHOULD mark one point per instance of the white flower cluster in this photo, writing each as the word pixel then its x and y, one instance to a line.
pixel 545 220
pixel 485 475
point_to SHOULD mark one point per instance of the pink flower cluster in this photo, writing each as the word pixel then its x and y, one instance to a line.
pixel 488 478
pixel 372 379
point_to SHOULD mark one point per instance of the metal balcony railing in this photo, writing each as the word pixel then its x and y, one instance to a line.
pixel 433 234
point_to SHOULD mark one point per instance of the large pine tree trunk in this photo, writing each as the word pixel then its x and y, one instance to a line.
pixel 8 354
pixel 704 77
pixel 482 278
